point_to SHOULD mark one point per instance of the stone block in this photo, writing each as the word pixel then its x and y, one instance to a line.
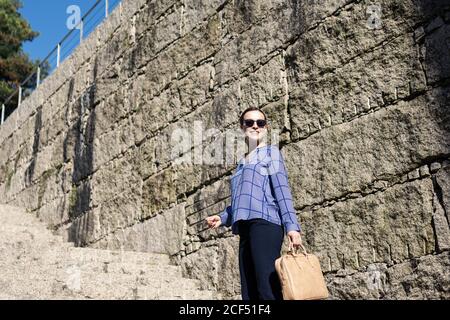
pixel 423 278
pixel 228 278
pixel 50 131
pixel 267 84
pixel 435 166
pixel 111 111
pixel 414 174
pixel 49 157
pixel 443 189
pixel 194 89
pixel 352 89
pixel 387 227
pixel 417 279
pixel 437 62
pixel 379 145
pixel 116 178
pixel 55 212
pixel 198 11
pixel 441 225
pixel 111 144
pixel 165 232
pixel 202 265
pixel 424 171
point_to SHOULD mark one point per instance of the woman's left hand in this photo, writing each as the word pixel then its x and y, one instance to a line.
pixel 295 239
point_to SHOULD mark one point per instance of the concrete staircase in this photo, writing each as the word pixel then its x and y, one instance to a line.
pixel 36 264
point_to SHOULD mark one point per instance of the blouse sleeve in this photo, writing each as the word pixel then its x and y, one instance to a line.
pixel 225 216
pixel 278 177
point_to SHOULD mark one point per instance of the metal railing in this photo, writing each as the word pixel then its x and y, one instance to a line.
pixel 88 22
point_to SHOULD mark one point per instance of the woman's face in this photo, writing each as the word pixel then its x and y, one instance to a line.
pixel 254 133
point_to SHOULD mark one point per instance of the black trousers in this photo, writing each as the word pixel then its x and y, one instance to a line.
pixel 260 244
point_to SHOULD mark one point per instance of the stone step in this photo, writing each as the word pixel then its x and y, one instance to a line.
pixel 18 216
pixel 101 288
pixel 84 254
pixel 20 219
pixel 130 280
pixel 162 271
pixel 68 244
pixel 37 264
pixel 11 234
pixel 6 232
pixel 145 293
pixel 4 296
pixel 111 271
pixel 18 223
pixel 34 248
pixel 115 286
pixel 36 288
pixel 51 263
pixel 32 287
pixel 95 285
pixel 23 222
pixel 51 258
pixel 35 227
pixel 41 255
pixel 36 285
pixel 28 243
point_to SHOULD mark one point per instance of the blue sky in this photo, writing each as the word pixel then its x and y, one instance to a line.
pixel 49 18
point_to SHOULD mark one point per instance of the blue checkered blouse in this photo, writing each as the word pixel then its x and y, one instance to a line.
pixel 260 189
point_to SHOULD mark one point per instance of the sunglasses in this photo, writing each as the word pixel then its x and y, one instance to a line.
pixel 249 123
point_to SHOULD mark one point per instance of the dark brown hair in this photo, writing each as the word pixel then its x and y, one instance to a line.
pixel 241 119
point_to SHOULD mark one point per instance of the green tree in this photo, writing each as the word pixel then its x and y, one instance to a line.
pixel 15 65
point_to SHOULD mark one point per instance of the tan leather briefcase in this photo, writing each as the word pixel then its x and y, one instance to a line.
pixel 301 276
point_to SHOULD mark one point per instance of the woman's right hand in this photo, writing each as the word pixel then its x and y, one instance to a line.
pixel 213 221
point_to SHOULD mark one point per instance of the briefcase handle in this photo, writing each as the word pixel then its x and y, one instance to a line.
pixel 293 250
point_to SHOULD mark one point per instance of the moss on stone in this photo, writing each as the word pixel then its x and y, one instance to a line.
pixel 73 198
pixel 43 184
pixel 16 160
pixel 58 167
pixel 9 175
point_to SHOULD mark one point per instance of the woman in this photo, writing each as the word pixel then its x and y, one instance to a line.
pixel 261 211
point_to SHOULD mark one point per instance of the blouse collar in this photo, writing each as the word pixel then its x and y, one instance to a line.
pixel 252 154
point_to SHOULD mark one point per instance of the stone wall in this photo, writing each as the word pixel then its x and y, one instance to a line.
pixel 362 106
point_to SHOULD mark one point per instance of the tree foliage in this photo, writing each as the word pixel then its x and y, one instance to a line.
pixel 15 65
